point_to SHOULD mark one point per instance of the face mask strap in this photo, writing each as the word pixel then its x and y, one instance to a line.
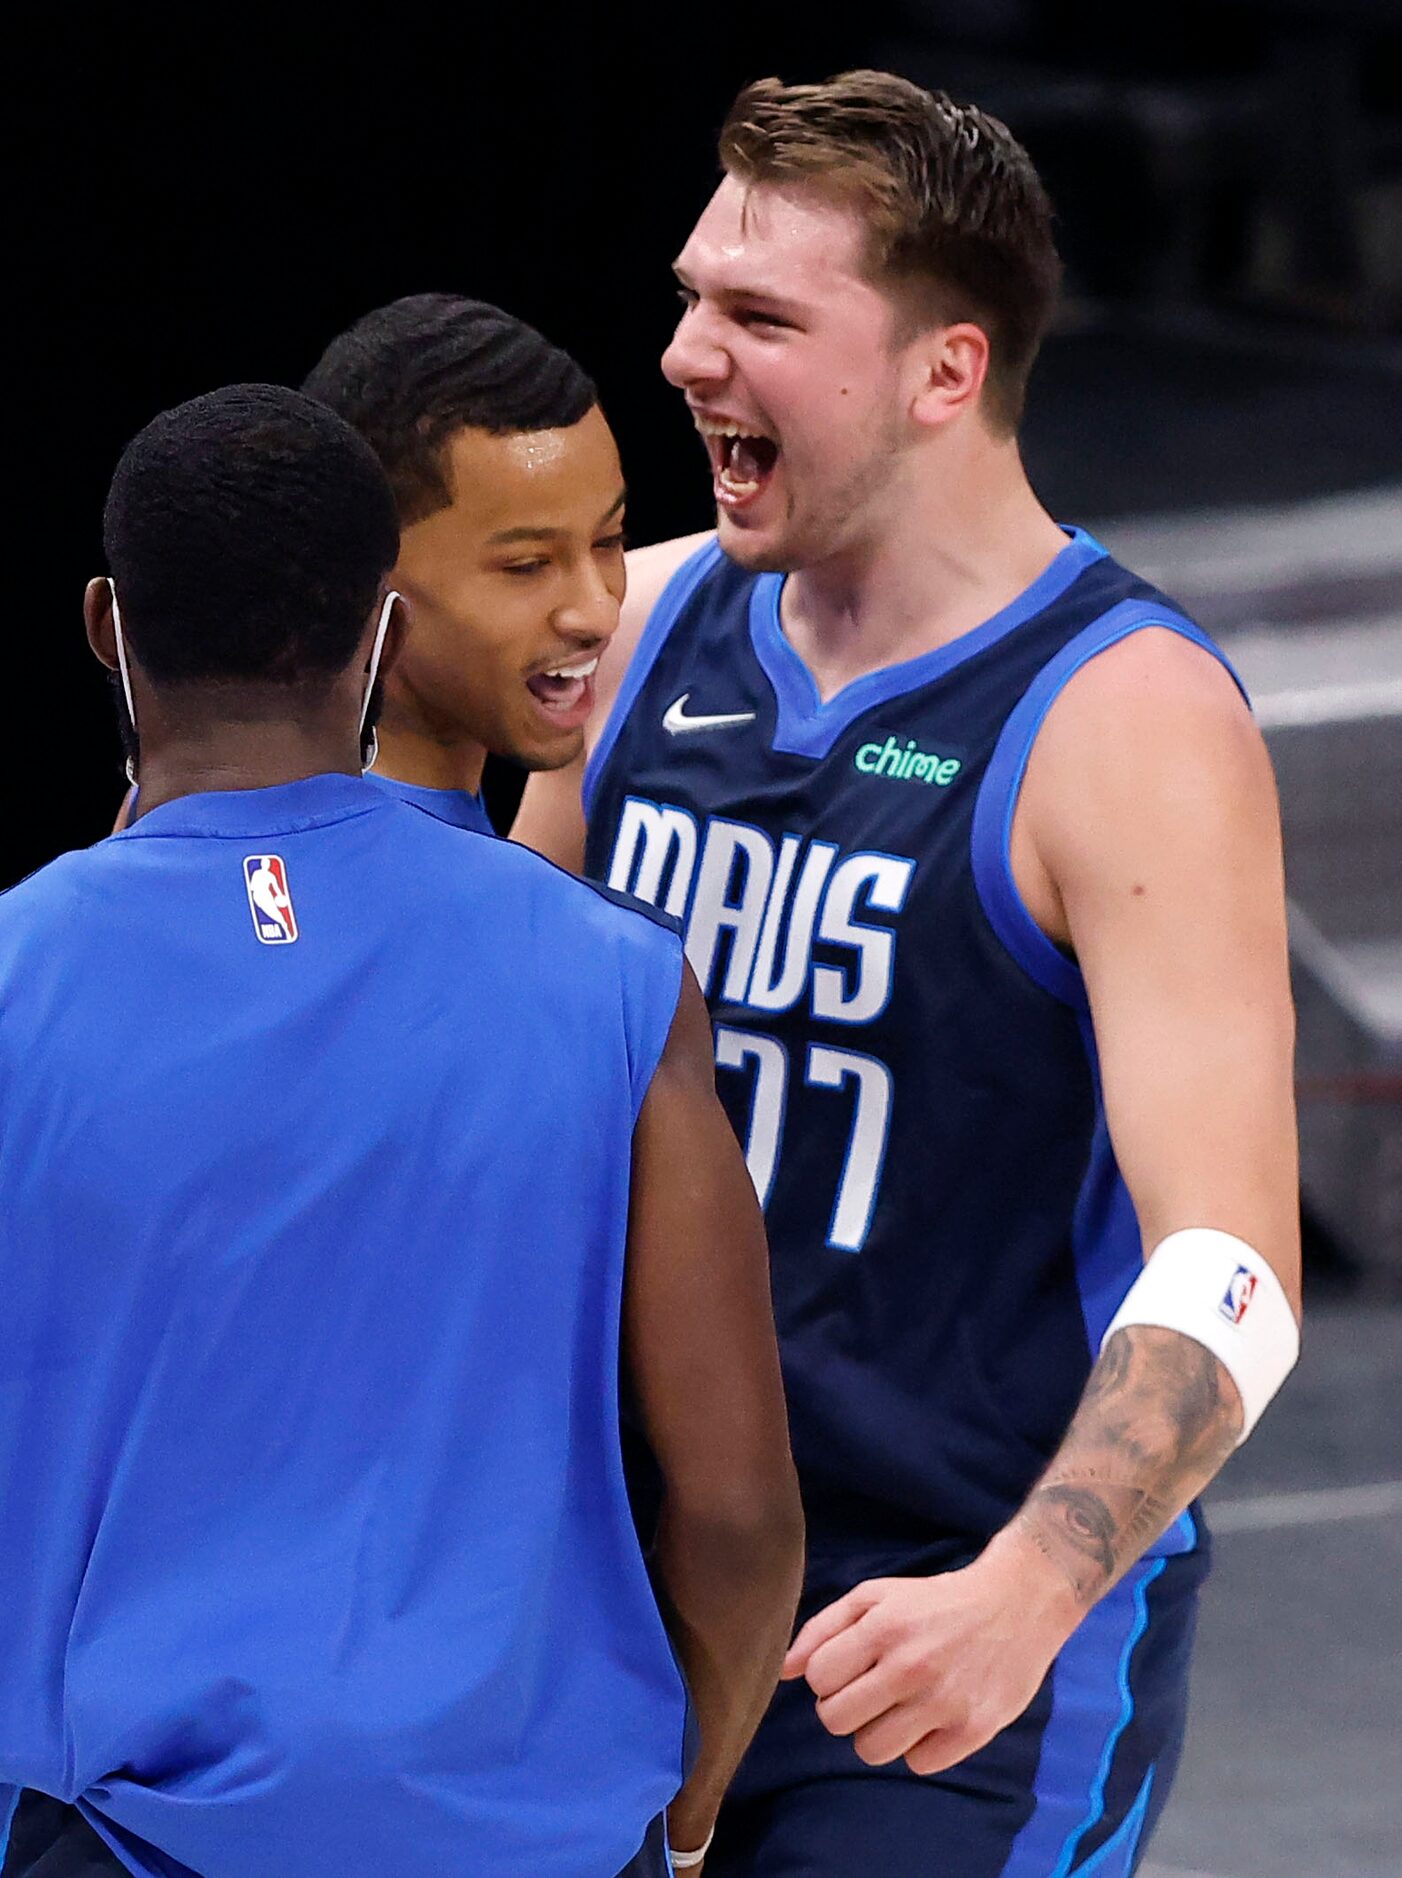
pixel 372 748
pixel 122 669
pixel 374 669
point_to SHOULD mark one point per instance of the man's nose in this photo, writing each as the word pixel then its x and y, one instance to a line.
pixel 695 356
pixel 590 614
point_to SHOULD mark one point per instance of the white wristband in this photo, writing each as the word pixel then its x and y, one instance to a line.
pixel 683 1861
pixel 1219 1291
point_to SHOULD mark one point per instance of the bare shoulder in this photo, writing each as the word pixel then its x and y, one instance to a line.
pixel 1150 740
pixel 649 570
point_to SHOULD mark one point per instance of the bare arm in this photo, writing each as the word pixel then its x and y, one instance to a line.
pixel 551 816
pixel 1168 882
pixel 701 1351
pixel 1147 839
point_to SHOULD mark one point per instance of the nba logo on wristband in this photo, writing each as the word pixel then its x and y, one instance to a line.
pixel 1238 1295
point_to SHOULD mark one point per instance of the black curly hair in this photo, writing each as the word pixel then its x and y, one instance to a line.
pixel 247 533
pixel 411 374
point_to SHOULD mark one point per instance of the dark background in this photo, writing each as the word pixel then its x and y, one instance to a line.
pixel 209 195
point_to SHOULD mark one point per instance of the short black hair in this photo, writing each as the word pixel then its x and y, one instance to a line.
pixel 247 533
pixel 411 374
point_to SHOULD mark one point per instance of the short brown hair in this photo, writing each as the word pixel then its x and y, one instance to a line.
pixel 960 226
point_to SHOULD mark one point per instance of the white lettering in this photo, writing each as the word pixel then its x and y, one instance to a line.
pixel 735 1048
pixel 722 904
pixel 767 993
pixel 886 879
pixel 664 834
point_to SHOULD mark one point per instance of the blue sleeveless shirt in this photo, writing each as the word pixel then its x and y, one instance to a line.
pixel 315 1127
pixel 906 1058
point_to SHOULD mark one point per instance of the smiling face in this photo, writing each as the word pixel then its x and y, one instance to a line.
pixel 788 359
pixel 514 591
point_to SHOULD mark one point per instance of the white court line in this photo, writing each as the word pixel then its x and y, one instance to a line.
pixel 1327 704
pixel 1174 1871
pixel 1268 1512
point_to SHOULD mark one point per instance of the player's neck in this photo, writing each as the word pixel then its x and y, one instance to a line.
pixel 231 755
pixel 429 760
pixel 949 552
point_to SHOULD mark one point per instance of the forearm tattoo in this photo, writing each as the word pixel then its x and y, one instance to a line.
pixel 1158 1418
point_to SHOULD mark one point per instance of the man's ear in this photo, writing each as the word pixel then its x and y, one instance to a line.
pixel 97 618
pixel 953 365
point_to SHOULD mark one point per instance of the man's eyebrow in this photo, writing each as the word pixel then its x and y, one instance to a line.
pixel 743 292
pixel 504 537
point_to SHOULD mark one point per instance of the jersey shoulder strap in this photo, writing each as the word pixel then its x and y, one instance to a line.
pixel 1044 962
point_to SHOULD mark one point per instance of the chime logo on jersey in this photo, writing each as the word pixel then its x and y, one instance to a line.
pixel 270 903
pixel 906 762
pixel 1238 1295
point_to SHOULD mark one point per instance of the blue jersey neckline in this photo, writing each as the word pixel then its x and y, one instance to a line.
pixel 281 808
pixel 806 726
pixel 459 808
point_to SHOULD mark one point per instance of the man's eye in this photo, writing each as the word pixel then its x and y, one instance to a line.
pixel 687 296
pixel 762 319
pixel 525 567
pixel 612 544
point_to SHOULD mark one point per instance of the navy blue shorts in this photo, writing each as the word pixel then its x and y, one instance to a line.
pixel 652 1861
pixel 51 1840
pixel 1075 1785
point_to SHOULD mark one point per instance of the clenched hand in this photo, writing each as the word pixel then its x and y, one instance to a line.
pixel 929 1669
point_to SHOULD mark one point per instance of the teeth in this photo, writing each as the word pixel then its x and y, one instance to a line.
pixel 582 670
pixel 709 427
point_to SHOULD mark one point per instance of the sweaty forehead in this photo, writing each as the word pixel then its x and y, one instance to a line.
pixel 763 238
pixel 543 478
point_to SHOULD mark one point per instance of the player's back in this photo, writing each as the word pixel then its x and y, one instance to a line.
pixel 315 1166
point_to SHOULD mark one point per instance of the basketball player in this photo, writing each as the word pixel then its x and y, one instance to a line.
pixel 510 498
pixel 977 850
pixel 342 1160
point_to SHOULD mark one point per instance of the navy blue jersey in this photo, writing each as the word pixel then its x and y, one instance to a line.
pixel 315 1128
pixel 906 1058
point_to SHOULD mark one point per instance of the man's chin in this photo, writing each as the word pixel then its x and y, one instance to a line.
pixel 539 755
pixel 757 550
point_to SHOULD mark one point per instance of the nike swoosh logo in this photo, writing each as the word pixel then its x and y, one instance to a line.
pixel 675 719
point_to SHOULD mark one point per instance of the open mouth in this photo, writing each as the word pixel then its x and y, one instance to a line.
pixel 566 691
pixel 742 462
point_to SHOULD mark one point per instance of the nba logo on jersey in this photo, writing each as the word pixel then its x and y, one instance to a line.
pixel 269 901
pixel 1238 1295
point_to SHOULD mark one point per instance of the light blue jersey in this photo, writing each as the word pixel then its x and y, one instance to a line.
pixel 315 1129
